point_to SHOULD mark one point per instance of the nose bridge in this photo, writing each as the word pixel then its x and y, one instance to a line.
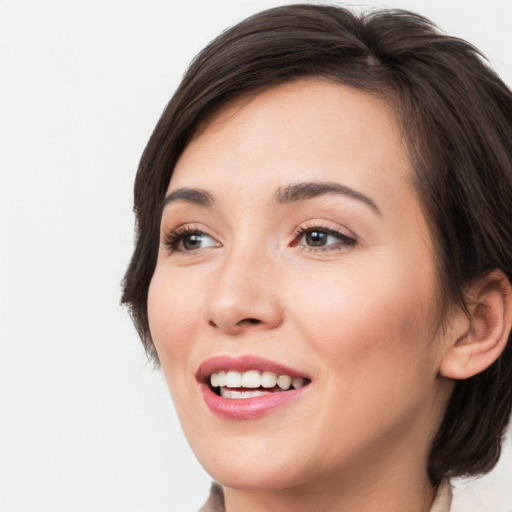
pixel 244 292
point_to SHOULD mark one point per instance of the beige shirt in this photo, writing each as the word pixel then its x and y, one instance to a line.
pixel 442 503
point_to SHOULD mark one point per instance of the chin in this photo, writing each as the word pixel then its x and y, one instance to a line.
pixel 248 477
pixel 253 467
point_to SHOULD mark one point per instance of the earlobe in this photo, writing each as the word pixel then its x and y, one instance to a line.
pixel 486 331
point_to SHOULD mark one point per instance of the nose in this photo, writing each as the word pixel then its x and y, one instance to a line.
pixel 244 295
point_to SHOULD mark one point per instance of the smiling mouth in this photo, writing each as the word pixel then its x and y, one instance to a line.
pixel 232 384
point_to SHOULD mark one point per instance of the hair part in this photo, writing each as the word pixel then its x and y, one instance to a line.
pixel 455 115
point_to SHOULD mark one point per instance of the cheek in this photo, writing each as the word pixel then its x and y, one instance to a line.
pixel 172 314
pixel 370 333
pixel 362 314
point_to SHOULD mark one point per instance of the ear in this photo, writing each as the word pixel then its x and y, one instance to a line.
pixel 485 332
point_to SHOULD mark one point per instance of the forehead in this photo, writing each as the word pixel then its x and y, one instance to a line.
pixel 308 130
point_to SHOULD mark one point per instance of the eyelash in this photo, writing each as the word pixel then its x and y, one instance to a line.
pixel 345 240
pixel 174 237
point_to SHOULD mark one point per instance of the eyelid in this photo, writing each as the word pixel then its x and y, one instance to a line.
pixel 171 237
pixel 324 225
pixel 346 239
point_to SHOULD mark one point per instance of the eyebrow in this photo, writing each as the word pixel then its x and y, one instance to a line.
pixel 284 195
pixel 302 191
pixel 195 196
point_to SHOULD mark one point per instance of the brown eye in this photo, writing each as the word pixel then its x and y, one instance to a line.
pixel 323 239
pixel 195 241
pixel 315 238
pixel 191 242
pixel 186 240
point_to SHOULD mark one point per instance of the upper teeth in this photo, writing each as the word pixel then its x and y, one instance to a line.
pixel 254 379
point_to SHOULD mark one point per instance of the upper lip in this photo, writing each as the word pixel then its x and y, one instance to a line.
pixel 243 364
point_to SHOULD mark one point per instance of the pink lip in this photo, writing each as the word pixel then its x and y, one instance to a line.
pixel 245 408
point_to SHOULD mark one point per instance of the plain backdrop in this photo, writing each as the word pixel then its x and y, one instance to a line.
pixel 85 423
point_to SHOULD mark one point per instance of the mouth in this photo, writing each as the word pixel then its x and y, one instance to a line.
pixel 236 385
pixel 248 387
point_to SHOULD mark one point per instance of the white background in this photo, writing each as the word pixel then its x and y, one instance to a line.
pixel 85 424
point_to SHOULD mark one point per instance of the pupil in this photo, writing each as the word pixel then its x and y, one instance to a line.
pixel 192 241
pixel 316 238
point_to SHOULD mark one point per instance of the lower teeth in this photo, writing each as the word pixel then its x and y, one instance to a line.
pixel 230 393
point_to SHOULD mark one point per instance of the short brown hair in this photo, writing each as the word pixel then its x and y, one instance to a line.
pixel 456 115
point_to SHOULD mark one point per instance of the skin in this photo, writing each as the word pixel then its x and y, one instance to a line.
pixel 357 318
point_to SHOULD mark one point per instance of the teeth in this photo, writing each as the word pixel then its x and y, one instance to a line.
pixel 218 380
pixel 228 393
pixel 284 382
pixel 298 382
pixel 233 379
pixel 253 379
pixel 268 379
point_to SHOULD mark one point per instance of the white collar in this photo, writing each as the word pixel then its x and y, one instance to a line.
pixel 443 500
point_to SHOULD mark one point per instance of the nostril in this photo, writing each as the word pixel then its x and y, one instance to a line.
pixel 250 321
pixel 231 325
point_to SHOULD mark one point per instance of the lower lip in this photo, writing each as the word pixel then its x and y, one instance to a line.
pixel 247 408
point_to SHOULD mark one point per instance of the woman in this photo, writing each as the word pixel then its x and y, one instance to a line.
pixel 323 261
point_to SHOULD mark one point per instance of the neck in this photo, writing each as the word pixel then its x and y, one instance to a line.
pixel 348 494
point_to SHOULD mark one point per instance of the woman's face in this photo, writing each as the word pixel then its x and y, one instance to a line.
pixel 293 245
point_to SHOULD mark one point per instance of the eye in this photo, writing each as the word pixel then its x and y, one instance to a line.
pixel 322 238
pixel 188 240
